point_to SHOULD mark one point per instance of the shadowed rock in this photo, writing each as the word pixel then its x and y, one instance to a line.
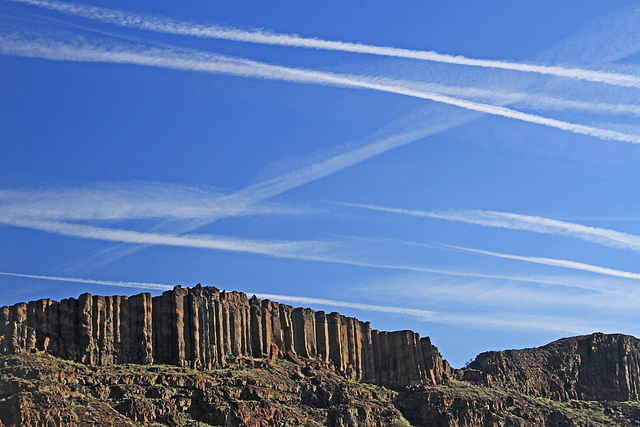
pixel 590 367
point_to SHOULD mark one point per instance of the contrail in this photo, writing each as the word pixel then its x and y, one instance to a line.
pixel 532 100
pixel 478 321
pixel 342 161
pixel 304 250
pixel 296 299
pixel 418 288
pixel 523 322
pixel 163 58
pixel 237 203
pixel 358 306
pixel 504 322
pixel 127 200
pixel 555 263
pixel 170 26
pixel 576 282
pixel 513 221
pixel 558 104
pixel 142 285
pixel 296 250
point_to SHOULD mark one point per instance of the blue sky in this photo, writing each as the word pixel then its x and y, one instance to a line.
pixel 466 170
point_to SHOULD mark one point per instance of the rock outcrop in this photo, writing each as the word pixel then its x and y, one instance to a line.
pixel 43 390
pixel 204 328
pixel 590 367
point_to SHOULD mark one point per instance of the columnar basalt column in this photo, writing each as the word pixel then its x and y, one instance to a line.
pixel 304 325
pixel 368 368
pixel 286 327
pixel 336 344
pixel 257 333
pixel 322 336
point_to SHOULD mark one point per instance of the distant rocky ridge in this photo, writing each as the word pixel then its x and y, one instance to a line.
pixel 204 328
pixel 591 367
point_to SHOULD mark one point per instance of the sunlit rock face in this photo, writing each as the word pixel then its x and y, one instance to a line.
pixel 204 328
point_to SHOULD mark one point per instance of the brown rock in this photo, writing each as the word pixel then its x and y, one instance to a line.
pixel 177 346
pixel 336 343
pixel 304 326
pixel 257 334
pixel 202 327
pixel 322 336
pixel 286 327
pixel 85 324
pixel 591 367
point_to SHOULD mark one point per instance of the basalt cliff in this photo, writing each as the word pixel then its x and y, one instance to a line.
pixel 591 367
pixel 204 328
pixel 202 357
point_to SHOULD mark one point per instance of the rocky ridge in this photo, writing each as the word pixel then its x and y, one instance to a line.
pixel 590 367
pixel 203 328
pixel 206 357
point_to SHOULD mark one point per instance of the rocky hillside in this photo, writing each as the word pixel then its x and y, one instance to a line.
pixel 38 389
pixel 204 357
pixel 592 367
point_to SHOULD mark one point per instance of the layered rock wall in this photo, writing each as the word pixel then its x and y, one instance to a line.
pixel 204 328
pixel 589 367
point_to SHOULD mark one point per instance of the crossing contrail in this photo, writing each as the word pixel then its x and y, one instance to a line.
pixel 513 221
pixel 194 61
pixel 171 26
pixel 295 249
pixel 554 263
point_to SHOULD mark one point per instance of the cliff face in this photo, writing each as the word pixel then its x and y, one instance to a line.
pixel 591 367
pixel 204 328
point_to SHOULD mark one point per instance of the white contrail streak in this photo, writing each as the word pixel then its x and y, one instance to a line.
pixel 304 251
pixel 90 203
pixel 142 285
pixel 511 321
pixel 555 263
pixel 127 200
pixel 166 25
pixel 424 314
pixel 295 250
pixel 513 221
pixel 342 161
pixel 533 100
pixel 558 104
pixel 504 322
pixel 48 49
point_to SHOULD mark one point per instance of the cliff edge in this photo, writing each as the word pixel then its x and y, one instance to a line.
pixel 204 328
pixel 590 367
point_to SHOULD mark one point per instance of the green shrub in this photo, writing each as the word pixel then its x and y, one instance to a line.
pixel 400 422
